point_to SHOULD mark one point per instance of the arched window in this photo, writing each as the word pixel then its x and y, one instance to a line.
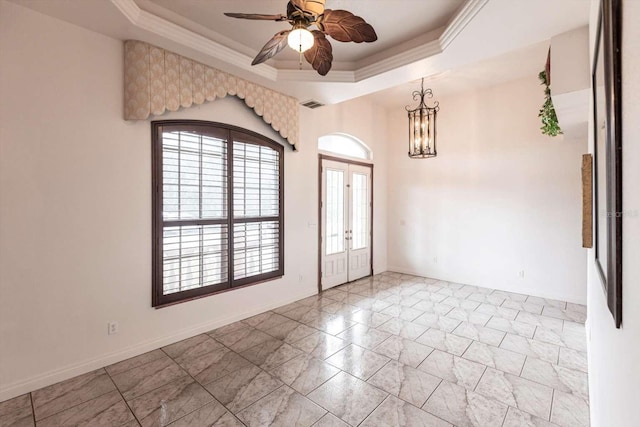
pixel 344 145
pixel 217 209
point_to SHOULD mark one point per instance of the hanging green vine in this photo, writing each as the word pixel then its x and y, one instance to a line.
pixel 547 113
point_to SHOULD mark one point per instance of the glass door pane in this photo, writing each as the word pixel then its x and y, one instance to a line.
pixel 334 237
pixel 359 211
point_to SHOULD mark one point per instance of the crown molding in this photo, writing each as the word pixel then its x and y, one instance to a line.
pixel 129 9
pixel 312 76
pixel 405 58
pixel 160 26
pixel 178 34
pixel 462 18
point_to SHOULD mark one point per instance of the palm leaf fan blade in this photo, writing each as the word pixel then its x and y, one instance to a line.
pixel 272 47
pixel 308 7
pixel 344 26
pixel 320 56
pixel 257 16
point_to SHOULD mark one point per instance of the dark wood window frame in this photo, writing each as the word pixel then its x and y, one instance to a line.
pixel 231 133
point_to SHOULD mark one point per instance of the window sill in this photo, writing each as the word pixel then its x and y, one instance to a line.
pixel 222 291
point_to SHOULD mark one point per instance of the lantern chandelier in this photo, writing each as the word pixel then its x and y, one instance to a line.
pixel 422 126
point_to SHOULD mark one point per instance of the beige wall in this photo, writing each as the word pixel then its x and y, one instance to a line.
pixel 500 198
pixel 614 354
pixel 75 207
pixel 75 204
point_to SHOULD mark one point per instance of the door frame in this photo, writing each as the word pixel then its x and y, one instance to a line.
pixel 322 157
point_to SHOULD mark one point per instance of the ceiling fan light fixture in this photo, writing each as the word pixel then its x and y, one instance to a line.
pixel 341 25
pixel 300 39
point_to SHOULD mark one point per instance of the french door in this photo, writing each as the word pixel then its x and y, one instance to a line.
pixel 345 210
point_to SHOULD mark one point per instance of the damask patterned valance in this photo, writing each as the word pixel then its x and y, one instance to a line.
pixel 156 80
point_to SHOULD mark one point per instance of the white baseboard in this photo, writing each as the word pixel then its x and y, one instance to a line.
pixel 521 290
pixel 8 391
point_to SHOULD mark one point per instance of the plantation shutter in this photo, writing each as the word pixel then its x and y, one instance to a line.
pixel 256 208
pixel 220 205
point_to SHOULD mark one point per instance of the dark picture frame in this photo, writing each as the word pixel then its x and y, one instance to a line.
pixel 607 168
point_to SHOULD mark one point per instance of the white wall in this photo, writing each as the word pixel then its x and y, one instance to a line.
pixel 614 354
pixel 75 208
pixel 498 199
pixel 368 123
pixel 570 65
pixel 571 81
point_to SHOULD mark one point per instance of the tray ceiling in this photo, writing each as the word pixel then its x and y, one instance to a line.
pixel 417 38
pixel 397 22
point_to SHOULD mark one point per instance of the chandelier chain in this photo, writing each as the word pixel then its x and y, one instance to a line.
pixel 421 95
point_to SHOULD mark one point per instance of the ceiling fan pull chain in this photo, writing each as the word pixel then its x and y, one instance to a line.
pixel 300 60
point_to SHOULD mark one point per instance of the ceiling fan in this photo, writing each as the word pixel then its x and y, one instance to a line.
pixel 340 25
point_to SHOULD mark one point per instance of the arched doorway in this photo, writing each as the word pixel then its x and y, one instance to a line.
pixel 345 146
pixel 345 210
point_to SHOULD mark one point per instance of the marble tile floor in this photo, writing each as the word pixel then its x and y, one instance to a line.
pixel 389 350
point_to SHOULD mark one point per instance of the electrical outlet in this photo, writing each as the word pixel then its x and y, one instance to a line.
pixel 300 278
pixel 521 274
pixel 435 259
pixel 112 328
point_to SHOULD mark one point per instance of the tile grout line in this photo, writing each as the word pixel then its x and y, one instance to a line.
pixel 33 409
pixel 528 379
pixel 316 403
pixel 486 368
pixel 376 387
pixel 325 381
pixel 431 394
pixel 523 365
pixel 77 404
pixel 282 383
pixel 187 374
pixel 468 346
pixel 144 364
pixel 374 409
pixel 503 338
pixel 181 368
pixel 553 388
pixel 262 398
pixel 135 417
pixel 221 404
pixel 197 382
pixel 495 400
pixel 504 419
pixel 378 370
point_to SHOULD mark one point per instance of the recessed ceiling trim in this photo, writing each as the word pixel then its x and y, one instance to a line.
pixel 176 33
pixel 467 12
pixel 312 76
pixel 159 26
pixel 399 60
pixel 129 9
